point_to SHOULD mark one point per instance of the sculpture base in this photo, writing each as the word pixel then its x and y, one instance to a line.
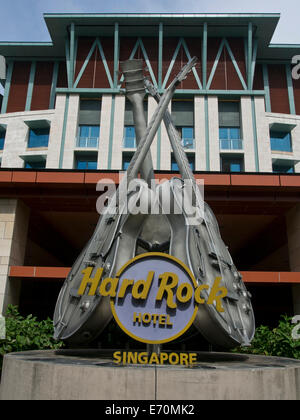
pixel 91 374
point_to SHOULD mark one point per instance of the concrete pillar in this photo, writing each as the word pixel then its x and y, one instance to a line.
pixel 293 232
pixel 116 162
pixel 56 132
pixel 14 217
pixel 104 131
pixel 247 133
pixel 200 144
pixel 71 132
pixel 214 141
pixel 263 136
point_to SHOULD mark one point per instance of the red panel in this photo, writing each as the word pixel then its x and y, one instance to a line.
pixel 238 50
pixel 88 78
pixel 258 83
pixel 278 89
pixel 62 78
pixel 170 45
pixel 101 80
pixel 213 45
pixel 42 86
pixel 18 87
pixel 296 84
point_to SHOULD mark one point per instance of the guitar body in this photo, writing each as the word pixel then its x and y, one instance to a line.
pixel 80 319
pixel 202 249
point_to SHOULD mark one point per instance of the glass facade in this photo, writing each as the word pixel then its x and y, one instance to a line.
pixel 284 169
pixel 88 136
pixel 232 164
pixel 41 164
pixel 2 139
pixel 281 141
pixel 86 162
pixel 38 137
pixel 129 141
pixel 230 138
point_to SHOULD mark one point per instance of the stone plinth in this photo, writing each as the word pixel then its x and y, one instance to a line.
pixel 84 375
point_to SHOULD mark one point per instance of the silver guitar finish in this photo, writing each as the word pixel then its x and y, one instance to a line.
pixel 202 249
pixel 80 319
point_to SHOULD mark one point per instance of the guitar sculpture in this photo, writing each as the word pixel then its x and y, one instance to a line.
pixel 202 249
pixel 80 319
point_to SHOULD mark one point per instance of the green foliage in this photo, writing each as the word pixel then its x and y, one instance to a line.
pixel 277 342
pixel 24 334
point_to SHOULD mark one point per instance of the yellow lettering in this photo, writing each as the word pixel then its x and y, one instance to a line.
pixel 125 284
pixel 94 282
pixel 163 358
pixel 143 358
pixel 184 297
pixel 144 285
pixel 154 359
pixel 198 291
pixel 193 358
pixel 162 319
pixel 213 297
pixel 117 357
pixel 184 359
pixel 174 359
pixel 167 288
pixel 132 358
pixel 147 318
pixel 113 283
pixel 137 318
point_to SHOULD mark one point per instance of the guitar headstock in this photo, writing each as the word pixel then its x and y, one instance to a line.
pixel 185 70
pixel 133 75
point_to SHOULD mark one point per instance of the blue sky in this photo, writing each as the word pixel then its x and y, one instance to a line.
pixel 22 20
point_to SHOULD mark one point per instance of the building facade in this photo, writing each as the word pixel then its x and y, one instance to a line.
pixel 65 123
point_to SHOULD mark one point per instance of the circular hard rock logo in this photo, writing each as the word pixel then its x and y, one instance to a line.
pixel 155 301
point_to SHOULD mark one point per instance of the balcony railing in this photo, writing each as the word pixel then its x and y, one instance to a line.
pixel 87 142
pixel 188 143
pixel 231 144
pixel 129 142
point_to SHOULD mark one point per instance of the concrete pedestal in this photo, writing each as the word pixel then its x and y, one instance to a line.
pixel 84 375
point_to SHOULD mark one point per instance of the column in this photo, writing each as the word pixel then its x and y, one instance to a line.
pixel 104 131
pixel 14 218
pixel 200 144
pixel 214 142
pixel 263 136
pixel 293 233
pixel 247 134
pixel 56 132
pixel 118 133
pixel 71 132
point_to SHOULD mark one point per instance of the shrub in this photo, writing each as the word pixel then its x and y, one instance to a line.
pixel 24 334
pixel 277 342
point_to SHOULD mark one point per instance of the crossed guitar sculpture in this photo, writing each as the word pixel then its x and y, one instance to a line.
pixel 118 236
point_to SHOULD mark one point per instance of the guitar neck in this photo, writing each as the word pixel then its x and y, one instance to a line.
pixel 155 122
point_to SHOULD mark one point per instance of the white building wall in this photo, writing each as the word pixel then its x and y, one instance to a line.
pixel 118 133
pixel 71 132
pixel 199 130
pixel 214 142
pixel 56 132
pixel 247 134
pixel 104 131
pixel 263 136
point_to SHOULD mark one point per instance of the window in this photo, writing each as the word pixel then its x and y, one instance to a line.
pixel 229 126
pixel 88 136
pixel 187 136
pixel 283 169
pixel 86 162
pixel 230 138
pixel 38 137
pixel 281 141
pixel 126 160
pixel 35 165
pixel 230 164
pixel 129 137
pixel 2 139
pixel 174 166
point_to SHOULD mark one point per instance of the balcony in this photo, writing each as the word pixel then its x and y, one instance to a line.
pixel 87 142
pixel 129 142
pixel 188 143
pixel 231 144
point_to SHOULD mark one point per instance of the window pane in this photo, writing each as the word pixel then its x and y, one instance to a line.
pixel 235 167
pixel 232 164
pixel 284 169
pixel 234 133
pixel 2 139
pixel 84 131
pixel 38 137
pixel 95 131
pixel 36 165
pixel 129 137
pixel 91 165
pixel 223 133
pixel 281 141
